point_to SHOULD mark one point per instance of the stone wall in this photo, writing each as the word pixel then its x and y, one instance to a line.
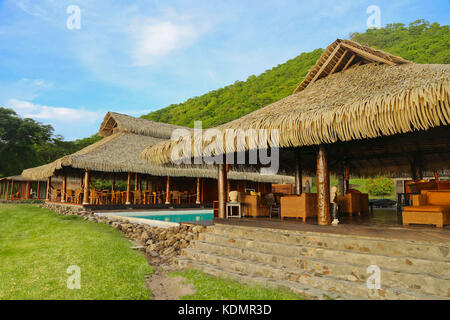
pixel 161 245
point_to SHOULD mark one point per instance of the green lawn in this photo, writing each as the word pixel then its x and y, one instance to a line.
pixel 212 288
pixel 37 246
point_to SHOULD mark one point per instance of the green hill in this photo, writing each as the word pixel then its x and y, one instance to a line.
pixel 420 42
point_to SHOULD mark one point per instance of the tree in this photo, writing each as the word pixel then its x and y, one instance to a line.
pixel 380 186
pixel 18 137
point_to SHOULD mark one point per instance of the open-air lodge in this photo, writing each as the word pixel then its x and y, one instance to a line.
pixel 133 183
pixel 359 112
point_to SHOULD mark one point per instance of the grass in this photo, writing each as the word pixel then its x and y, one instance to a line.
pixel 212 288
pixel 37 246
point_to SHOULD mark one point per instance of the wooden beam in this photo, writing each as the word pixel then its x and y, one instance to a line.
pixel 197 200
pixel 323 187
pixel 168 190
pixel 86 187
pixel 47 194
pixel 128 200
pixel 339 61
pixel 326 63
pixel 348 62
pixel 28 190
pixel 64 189
pixel 12 188
pixel 298 173
pixel 368 55
pixel 221 189
pixel 38 191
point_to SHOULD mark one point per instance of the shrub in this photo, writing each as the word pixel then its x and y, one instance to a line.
pixel 380 186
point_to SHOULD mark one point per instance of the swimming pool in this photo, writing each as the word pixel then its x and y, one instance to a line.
pixel 195 216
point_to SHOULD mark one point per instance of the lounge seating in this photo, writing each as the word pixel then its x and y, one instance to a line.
pixel 273 205
pixel 303 206
pixel 354 202
pixel 254 206
pixel 429 207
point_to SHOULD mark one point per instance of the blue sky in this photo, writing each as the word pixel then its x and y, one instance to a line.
pixel 137 56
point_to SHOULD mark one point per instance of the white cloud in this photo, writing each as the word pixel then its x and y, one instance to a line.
pixel 49 114
pixel 154 39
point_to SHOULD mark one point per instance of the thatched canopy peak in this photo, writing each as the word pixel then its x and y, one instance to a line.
pixel 345 54
pixel 116 122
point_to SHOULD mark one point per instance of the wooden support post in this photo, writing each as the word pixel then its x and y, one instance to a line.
pixel 86 187
pixel 12 189
pixel 64 189
pixel 128 201
pixel 347 179
pixel 221 189
pixel 28 190
pixel 113 184
pixel 197 200
pixel 7 191
pixel 48 189
pixel 168 190
pixel 38 191
pixel 298 174
pixel 136 182
pixel 436 176
pixel 323 187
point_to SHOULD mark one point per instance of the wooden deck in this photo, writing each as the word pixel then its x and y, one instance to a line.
pixel 382 224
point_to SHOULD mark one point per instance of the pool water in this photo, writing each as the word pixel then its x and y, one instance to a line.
pixel 177 216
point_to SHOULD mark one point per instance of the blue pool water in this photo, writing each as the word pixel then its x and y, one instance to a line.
pixel 177 216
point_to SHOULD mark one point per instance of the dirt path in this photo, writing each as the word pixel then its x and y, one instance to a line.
pixel 164 287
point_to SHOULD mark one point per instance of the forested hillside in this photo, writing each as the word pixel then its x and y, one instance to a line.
pixel 420 42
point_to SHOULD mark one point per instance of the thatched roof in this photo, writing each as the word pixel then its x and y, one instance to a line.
pixel 365 101
pixel 119 152
pixel 19 178
pixel 344 54
pixel 117 122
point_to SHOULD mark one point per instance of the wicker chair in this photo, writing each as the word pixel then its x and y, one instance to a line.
pixel 274 206
pixel 137 197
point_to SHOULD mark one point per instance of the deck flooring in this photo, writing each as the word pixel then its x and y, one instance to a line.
pixel 382 224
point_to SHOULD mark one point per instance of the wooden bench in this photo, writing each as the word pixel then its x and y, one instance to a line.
pixel 429 207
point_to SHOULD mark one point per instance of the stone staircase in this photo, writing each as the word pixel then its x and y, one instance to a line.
pixel 322 265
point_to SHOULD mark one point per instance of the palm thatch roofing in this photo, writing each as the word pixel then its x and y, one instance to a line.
pixel 20 178
pixel 379 95
pixel 119 152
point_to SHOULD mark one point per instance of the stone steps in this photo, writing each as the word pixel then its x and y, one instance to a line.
pixel 389 247
pixel 321 264
pixel 328 284
pixel 306 291
pixel 344 271
pixel 435 268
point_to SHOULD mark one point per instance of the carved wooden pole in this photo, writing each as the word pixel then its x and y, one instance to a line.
pixel 12 189
pixel 128 200
pixel 221 189
pixel 48 190
pixel 136 182
pixel 64 189
pixel 298 174
pixel 347 179
pixel 86 187
pixel 197 200
pixel 38 191
pixel 168 190
pixel 323 187
pixel 5 194
pixel 436 176
pixel 28 189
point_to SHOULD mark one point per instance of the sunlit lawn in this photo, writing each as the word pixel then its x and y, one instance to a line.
pixel 37 246
pixel 213 288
